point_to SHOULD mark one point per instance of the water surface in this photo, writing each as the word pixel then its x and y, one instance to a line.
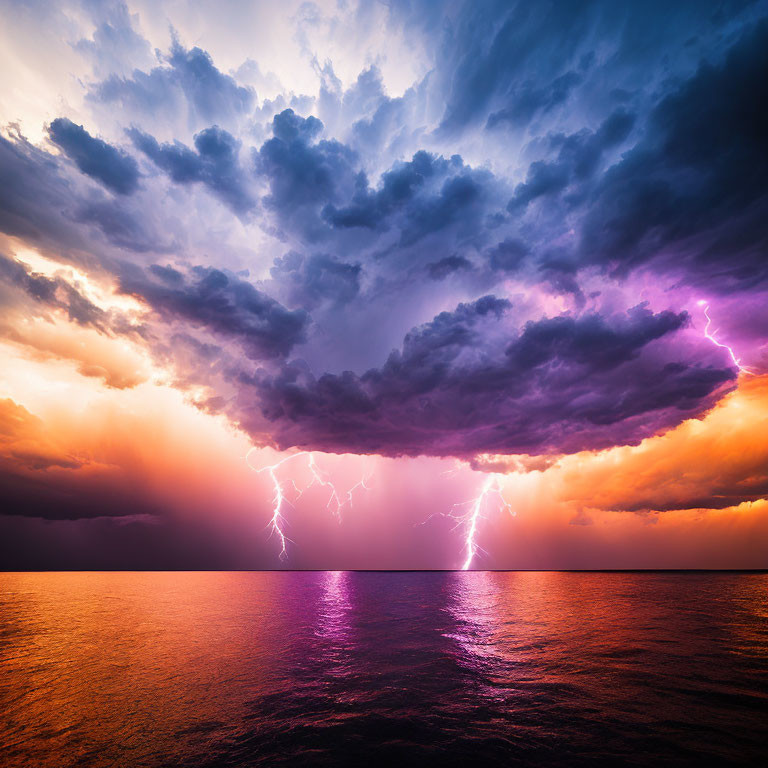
pixel 341 668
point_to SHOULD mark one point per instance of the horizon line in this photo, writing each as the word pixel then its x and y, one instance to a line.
pixel 386 570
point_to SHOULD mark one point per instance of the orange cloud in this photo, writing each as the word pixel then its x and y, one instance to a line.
pixel 115 361
pixel 25 442
pixel 716 462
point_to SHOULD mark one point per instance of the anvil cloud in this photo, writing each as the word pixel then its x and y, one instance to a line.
pixel 455 231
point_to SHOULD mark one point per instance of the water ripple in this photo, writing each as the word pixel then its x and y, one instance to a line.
pixel 335 668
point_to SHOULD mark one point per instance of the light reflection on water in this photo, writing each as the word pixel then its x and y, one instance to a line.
pixel 333 615
pixel 102 669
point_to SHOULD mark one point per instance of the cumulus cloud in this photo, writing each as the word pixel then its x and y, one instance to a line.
pixel 44 204
pixel 316 278
pixel 225 305
pixel 115 169
pixel 187 82
pixel 497 282
pixel 23 439
pixel 426 195
pixel 577 160
pixel 559 385
pixel 35 192
pixel 214 164
pixel 448 265
pixel 304 175
pixel 115 46
pixel 482 235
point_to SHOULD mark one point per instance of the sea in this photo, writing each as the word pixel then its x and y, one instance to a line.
pixel 338 668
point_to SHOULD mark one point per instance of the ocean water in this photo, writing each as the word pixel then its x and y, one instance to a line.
pixel 368 669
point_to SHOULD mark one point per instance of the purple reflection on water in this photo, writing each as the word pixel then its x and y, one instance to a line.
pixel 473 606
pixel 344 668
pixel 333 614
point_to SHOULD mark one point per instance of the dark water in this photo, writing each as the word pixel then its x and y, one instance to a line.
pixel 335 668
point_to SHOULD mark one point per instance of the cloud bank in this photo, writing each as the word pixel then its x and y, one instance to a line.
pixel 488 231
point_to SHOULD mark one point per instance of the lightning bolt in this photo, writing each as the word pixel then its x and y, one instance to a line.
pixel 336 500
pixel 475 510
pixel 277 521
pixel 491 486
pixel 711 336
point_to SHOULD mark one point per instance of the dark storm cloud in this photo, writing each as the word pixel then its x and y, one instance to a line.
pixel 433 229
pixel 562 385
pixel 590 341
pixel 508 255
pixel 121 227
pixel 438 270
pixel 531 99
pixel 694 189
pixel 115 169
pixel 730 491
pixel 190 81
pixel 683 196
pixel 289 127
pixel 427 194
pixel 40 494
pixel 33 194
pixel 304 175
pixel 487 54
pixel 504 64
pixel 215 164
pixel 319 192
pixel 317 278
pixel 230 308
pixel 577 160
pixel 40 201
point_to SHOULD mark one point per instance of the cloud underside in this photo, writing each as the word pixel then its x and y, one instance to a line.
pixel 562 385
pixel 467 382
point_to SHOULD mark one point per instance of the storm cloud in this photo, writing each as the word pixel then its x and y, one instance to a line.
pixel 215 164
pixel 115 169
pixel 226 306
pixel 559 385
pixel 500 238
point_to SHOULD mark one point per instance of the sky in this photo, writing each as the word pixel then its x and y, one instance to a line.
pixel 383 285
